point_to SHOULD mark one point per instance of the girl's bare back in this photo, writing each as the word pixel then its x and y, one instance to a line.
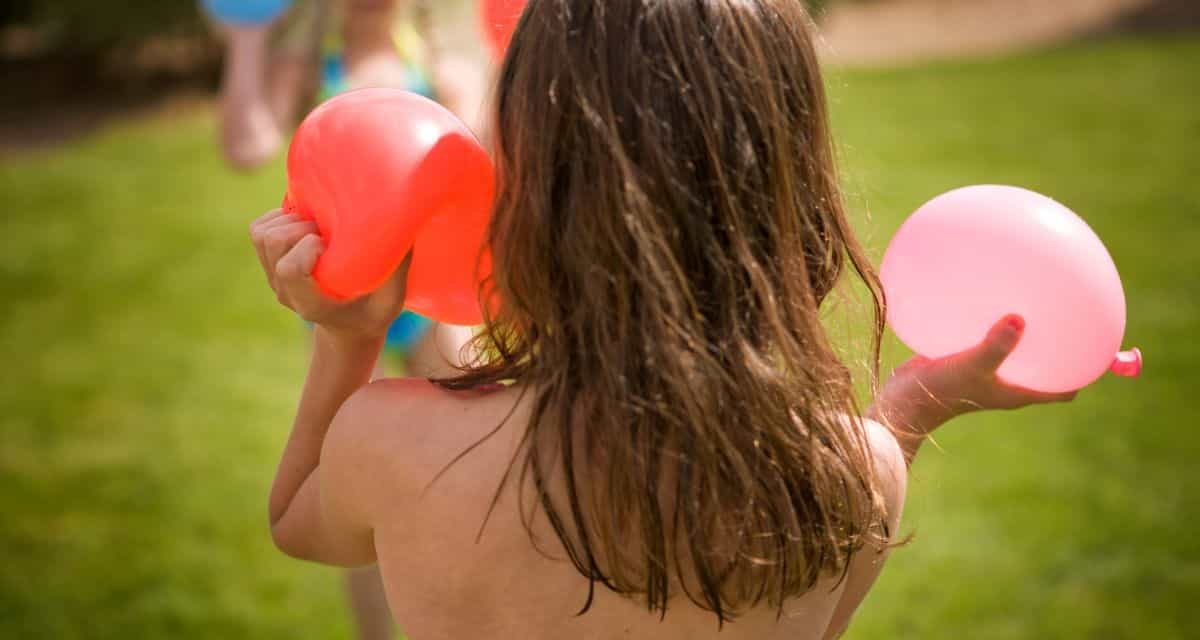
pixel 448 578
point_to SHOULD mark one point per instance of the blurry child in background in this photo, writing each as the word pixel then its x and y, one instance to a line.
pixel 280 54
pixel 275 62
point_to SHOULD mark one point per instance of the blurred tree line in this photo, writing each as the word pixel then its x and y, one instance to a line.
pixel 106 46
pixel 58 53
pixel 103 26
pixel 60 48
pixel 100 26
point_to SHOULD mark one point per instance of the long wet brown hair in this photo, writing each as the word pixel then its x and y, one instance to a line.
pixel 668 222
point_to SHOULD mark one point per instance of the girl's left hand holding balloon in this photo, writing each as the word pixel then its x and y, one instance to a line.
pixel 923 394
pixel 288 248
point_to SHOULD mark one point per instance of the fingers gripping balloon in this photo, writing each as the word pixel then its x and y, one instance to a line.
pixel 383 171
pixel 499 20
pixel 970 256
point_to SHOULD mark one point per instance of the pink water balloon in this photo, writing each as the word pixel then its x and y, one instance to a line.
pixel 970 256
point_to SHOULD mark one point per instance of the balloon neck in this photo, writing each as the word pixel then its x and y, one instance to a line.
pixel 1127 364
pixel 289 207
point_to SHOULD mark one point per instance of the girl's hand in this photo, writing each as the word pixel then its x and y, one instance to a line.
pixel 922 393
pixel 288 248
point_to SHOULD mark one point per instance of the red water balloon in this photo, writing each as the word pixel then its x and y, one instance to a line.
pixel 384 171
pixel 499 19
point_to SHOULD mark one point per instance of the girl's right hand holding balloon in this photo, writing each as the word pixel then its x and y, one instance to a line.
pixel 288 248
pixel 923 394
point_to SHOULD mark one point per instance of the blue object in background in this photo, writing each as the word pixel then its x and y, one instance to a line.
pixel 246 12
pixel 406 330
pixel 333 75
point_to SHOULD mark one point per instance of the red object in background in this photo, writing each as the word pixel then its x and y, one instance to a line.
pixel 499 19
pixel 383 171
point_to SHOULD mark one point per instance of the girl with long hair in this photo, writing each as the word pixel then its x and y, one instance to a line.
pixel 656 438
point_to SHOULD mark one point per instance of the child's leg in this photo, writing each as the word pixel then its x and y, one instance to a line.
pixel 249 131
pixel 269 67
pixel 291 85
pixel 369 46
pixel 369 604
pixel 295 74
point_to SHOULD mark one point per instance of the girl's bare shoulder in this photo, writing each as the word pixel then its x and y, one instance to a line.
pixel 891 470
pixel 410 428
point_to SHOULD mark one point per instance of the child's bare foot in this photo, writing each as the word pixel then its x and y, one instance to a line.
pixel 250 136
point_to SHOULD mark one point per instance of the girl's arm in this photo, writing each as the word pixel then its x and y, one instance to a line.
pixel 924 394
pixel 920 396
pixel 308 518
pixel 326 520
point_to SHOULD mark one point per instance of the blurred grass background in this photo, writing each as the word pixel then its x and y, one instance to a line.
pixel 152 377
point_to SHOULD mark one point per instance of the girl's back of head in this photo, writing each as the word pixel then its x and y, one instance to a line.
pixel 668 222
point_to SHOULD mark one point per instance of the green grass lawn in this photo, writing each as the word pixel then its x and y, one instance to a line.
pixel 151 378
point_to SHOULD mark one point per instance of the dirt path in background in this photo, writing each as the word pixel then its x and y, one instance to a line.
pixel 888 32
pixel 855 32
